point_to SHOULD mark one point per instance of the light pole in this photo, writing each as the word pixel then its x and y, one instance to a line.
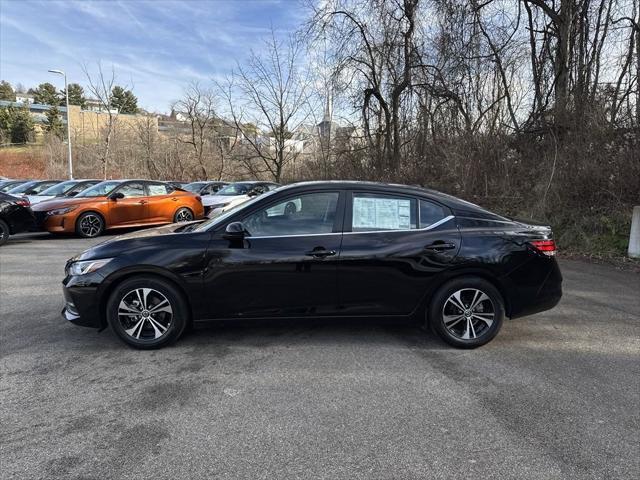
pixel 66 92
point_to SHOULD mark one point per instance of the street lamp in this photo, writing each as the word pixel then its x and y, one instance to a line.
pixel 66 92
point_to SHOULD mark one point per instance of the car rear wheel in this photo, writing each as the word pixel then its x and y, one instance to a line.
pixel 183 214
pixel 89 225
pixel 4 232
pixel 147 312
pixel 466 312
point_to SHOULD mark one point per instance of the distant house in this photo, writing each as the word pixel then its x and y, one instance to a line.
pixel 24 98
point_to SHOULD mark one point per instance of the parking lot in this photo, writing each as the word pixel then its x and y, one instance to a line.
pixel 555 395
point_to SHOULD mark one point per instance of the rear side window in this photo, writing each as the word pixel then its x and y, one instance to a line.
pixel 374 212
pixel 156 189
pixel 430 213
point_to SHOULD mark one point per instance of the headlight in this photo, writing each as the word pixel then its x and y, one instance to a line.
pixel 88 266
pixel 61 211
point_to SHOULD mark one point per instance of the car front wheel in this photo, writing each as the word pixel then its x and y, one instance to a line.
pixel 147 312
pixel 89 225
pixel 466 312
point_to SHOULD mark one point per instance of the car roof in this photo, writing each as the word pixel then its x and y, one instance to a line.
pixel 458 205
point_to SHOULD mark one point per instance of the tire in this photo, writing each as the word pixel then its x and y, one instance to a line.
pixel 148 330
pixel 466 327
pixel 90 225
pixel 183 214
pixel 4 232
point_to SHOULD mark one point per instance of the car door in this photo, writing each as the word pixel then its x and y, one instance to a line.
pixel 287 264
pixel 393 247
pixel 130 210
pixel 161 205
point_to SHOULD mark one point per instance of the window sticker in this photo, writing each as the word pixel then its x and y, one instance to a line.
pixel 381 213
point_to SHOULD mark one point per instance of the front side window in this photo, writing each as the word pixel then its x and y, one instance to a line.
pixel 235 189
pixel 313 213
pixel 156 189
pixel 132 190
pixel 102 189
pixel 375 212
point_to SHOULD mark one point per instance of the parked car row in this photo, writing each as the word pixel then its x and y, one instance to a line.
pixel 88 207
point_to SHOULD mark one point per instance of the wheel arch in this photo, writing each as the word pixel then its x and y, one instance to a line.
pixel 472 272
pixel 140 271
pixel 90 210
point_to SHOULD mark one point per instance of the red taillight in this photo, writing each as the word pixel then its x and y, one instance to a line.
pixel 546 247
pixel 199 198
pixel 23 202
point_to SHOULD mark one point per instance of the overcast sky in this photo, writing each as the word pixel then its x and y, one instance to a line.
pixel 155 46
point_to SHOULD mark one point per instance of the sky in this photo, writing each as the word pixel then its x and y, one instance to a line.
pixel 155 47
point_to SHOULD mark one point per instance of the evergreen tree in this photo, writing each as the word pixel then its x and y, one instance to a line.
pixel 76 95
pixel 16 125
pixel 46 94
pixel 6 91
pixel 123 100
pixel 53 123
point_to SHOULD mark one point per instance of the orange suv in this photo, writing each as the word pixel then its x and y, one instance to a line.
pixel 117 204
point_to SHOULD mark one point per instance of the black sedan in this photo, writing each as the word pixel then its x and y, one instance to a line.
pixel 348 249
pixel 15 216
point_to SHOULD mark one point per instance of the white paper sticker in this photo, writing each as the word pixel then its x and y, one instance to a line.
pixel 381 213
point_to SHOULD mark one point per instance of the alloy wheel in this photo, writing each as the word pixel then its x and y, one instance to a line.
pixel 468 313
pixel 145 314
pixel 90 225
pixel 184 215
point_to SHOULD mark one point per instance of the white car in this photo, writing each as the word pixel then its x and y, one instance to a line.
pixel 70 188
pixel 233 195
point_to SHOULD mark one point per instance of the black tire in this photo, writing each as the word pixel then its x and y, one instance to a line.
pixel 149 333
pixel 90 225
pixel 466 327
pixel 4 232
pixel 183 214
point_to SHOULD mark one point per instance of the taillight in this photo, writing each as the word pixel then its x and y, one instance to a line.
pixel 199 198
pixel 546 247
pixel 23 202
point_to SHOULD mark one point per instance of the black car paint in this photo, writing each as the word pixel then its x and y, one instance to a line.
pixel 390 273
pixel 18 217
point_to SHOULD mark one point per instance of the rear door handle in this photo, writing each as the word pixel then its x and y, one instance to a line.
pixel 142 202
pixel 175 199
pixel 320 253
pixel 440 246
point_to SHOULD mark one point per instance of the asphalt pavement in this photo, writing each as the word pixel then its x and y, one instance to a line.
pixel 554 396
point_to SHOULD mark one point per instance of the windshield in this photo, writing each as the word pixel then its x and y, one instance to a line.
pixel 194 187
pixel 234 189
pixel 213 222
pixel 59 189
pixel 100 190
pixel 23 187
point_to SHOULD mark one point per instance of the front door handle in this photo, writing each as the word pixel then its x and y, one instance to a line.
pixel 440 246
pixel 320 253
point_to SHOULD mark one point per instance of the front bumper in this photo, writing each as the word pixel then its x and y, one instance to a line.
pixel 82 302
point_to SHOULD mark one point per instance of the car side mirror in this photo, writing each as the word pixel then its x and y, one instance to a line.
pixel 235 231
pixel 116 196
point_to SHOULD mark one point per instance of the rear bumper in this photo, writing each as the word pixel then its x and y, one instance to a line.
pixel 541 296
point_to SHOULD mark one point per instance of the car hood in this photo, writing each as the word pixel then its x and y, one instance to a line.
pixel 33 199
pixel 67 202
pixel 116 245
pixel 208 200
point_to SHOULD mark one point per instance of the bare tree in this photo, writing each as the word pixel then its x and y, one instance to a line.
pixel 267 99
